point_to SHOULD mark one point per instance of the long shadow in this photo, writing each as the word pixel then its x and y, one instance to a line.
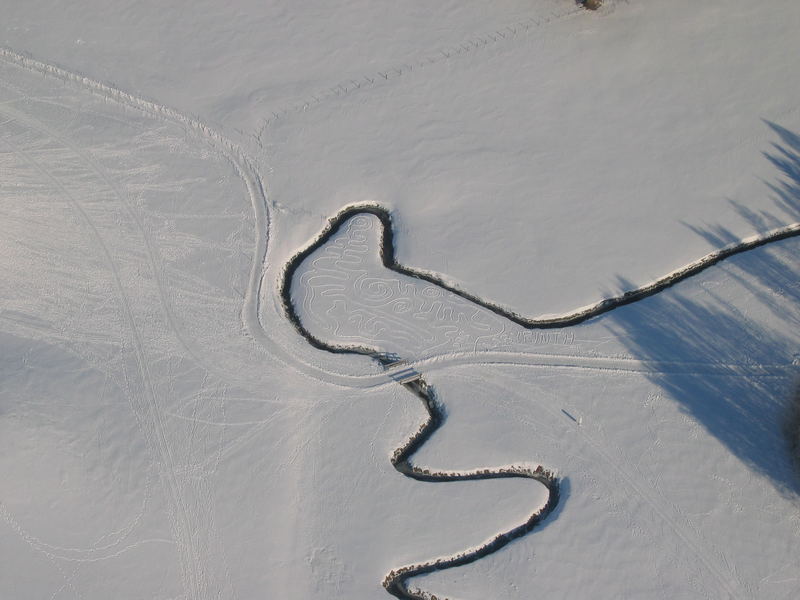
pixel 756 417
pixel 745 413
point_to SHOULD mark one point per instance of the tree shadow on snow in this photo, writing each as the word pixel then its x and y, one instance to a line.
pixel 756 415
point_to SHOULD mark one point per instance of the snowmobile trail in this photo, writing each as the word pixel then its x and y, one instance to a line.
pixel 502 34
pixel 151 414
pixel 344 243
pixel 233 153
pixel 97 219
pixel 148 412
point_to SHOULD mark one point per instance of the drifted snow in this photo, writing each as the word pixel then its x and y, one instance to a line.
pixel 165 432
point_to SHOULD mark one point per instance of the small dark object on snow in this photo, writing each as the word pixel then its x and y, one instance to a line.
pixel 592 4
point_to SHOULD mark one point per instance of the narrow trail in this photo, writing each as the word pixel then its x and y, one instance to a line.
pixel 146 407
pixel 396 580
pixel 502 33
pixel 332 375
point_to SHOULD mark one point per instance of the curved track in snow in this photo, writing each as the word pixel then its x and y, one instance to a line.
pixel 395 581
pixel 146 406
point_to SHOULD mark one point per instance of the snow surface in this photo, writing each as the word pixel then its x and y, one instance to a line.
pixel 166 432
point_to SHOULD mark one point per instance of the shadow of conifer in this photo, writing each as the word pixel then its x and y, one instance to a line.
pixel 753 411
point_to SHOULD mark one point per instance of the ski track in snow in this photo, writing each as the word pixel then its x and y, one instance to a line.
pixel 149 414
pixel 342 274
pixel 141 391
pixel 504 33
pixel 251 311
pixel 451 355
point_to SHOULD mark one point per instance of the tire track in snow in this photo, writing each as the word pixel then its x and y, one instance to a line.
pixel 234 154
pixel 255 188
pixel 575 317
pixel 195 578
pixel 670 514
pixel 396 581
pixel 647 491
pixel 602 363
pixel 373 79
pixel 124 200
pixel 149 413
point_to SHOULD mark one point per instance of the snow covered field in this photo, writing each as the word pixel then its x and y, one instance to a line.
pixel 170 180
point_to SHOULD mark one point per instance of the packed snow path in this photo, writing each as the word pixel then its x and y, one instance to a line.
pixel 338 296
pixel 18 116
